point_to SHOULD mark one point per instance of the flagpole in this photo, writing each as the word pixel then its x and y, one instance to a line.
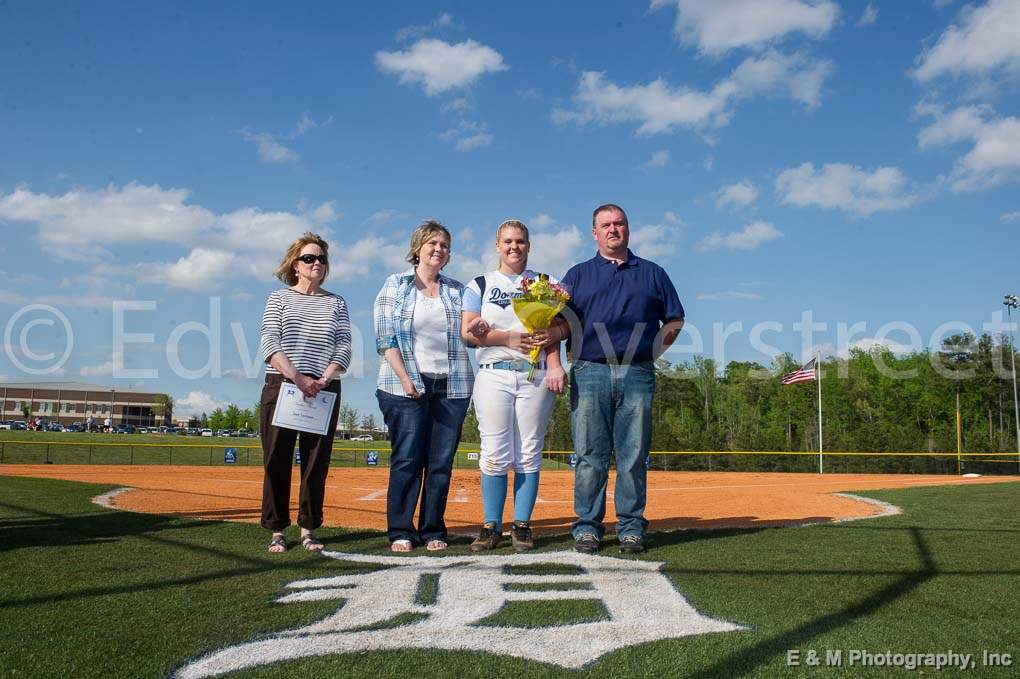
pixel 818 379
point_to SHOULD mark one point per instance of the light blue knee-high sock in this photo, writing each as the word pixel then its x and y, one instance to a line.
pixel 493 498
pixel 525 494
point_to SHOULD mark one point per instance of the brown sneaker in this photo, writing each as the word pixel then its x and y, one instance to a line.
pixel 488 538
pixel 520 536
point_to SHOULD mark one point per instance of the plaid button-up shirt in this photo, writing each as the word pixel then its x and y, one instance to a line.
pixel 394 313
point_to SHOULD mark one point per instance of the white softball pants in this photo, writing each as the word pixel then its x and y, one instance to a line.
pixel 513 415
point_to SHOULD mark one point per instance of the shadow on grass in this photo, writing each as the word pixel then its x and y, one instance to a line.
pixel 766 650
pixel 37 528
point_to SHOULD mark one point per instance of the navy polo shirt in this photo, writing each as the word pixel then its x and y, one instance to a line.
pixel 612 301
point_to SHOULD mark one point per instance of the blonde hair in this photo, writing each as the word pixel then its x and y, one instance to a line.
pixel 425 231
pixel 513 224
pixel 285 272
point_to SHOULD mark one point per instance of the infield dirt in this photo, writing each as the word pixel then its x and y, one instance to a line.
pixel 356 497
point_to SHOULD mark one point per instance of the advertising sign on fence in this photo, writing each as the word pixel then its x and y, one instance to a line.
pixel 229 455
pixel 372 458
pixel 472 456
pixel 573 460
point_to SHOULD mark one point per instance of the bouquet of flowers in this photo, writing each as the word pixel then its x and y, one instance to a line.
pixel 537 308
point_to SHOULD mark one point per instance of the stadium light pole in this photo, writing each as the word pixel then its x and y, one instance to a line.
pixel 1012 302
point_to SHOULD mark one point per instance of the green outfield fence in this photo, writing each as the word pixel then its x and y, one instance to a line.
pixel 108 453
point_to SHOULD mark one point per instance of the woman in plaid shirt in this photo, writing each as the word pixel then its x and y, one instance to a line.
pixel 424 387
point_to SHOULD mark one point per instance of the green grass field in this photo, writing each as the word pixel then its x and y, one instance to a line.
pixel 36 447
pixel 90 592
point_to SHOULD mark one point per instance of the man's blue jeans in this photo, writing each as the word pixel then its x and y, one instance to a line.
pixel 424 433
pixel 611 412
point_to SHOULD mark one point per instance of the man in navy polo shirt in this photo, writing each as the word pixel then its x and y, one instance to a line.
pixel 623 313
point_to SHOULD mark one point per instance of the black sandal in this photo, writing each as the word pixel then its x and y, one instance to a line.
pixel 277 541
pixel 312 543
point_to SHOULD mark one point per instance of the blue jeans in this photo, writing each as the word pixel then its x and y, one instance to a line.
pixel 611 412
pixel 424 433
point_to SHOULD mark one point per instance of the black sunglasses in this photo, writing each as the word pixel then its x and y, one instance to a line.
pixel 311 259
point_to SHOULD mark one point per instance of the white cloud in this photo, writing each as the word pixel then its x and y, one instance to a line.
pixel 306 123
pixel 383 216
pixel 1010 216
pixel 468 136
pixel 994 157
pixel 659 107
pixel 983 40
pixel 200 270
pixel 270 151
pixel 729 294
pixel 750 238
pixel 196 403
pixel 659 158
pixel 556 251
pixel 869 344
pixel 325 213
pixel 652 241
pixel 740 194
pixel 869 16
pixel 844 187
pixel 721 25
pixel 460 105
pixel 439 66
pixel 541 221
pixel 102 370
pixel 444 20
pixel 80 219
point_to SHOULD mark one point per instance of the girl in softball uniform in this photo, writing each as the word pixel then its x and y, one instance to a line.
pixel 513 413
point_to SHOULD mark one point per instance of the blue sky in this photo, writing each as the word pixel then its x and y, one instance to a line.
pixel 858 161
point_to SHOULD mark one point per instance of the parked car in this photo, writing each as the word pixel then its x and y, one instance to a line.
pixel 206 432
pixel 19 425
pixel 362 437
pixel 246 433
pixel 55 426
pixel 6 425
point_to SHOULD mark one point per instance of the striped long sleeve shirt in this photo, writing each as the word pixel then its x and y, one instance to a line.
pixel 311 330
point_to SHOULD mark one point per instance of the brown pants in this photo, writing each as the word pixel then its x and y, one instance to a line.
pixel 278 460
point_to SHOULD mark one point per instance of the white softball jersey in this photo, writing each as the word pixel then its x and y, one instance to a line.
pixel 494 305
pixel 513 413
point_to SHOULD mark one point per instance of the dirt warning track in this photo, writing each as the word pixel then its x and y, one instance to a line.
pixel 356 497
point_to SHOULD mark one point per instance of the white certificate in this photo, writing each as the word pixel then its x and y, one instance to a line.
pixel 294 411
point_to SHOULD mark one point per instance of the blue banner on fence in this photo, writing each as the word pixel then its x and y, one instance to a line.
pixel 229 455
pixel 297 456
pixel 648 461
pixel 573 460
pixel 372 458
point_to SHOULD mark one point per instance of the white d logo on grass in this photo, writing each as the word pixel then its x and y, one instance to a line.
pixel 443 603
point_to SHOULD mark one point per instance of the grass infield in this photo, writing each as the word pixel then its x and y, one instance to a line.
pixel 91 592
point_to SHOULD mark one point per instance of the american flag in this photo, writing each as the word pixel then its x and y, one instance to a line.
pixel 806 373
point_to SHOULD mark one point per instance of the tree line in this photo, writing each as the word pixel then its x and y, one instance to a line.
pixel 872 401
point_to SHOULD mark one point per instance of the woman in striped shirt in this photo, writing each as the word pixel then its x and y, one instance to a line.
pixel 306 340
pixel 425 381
